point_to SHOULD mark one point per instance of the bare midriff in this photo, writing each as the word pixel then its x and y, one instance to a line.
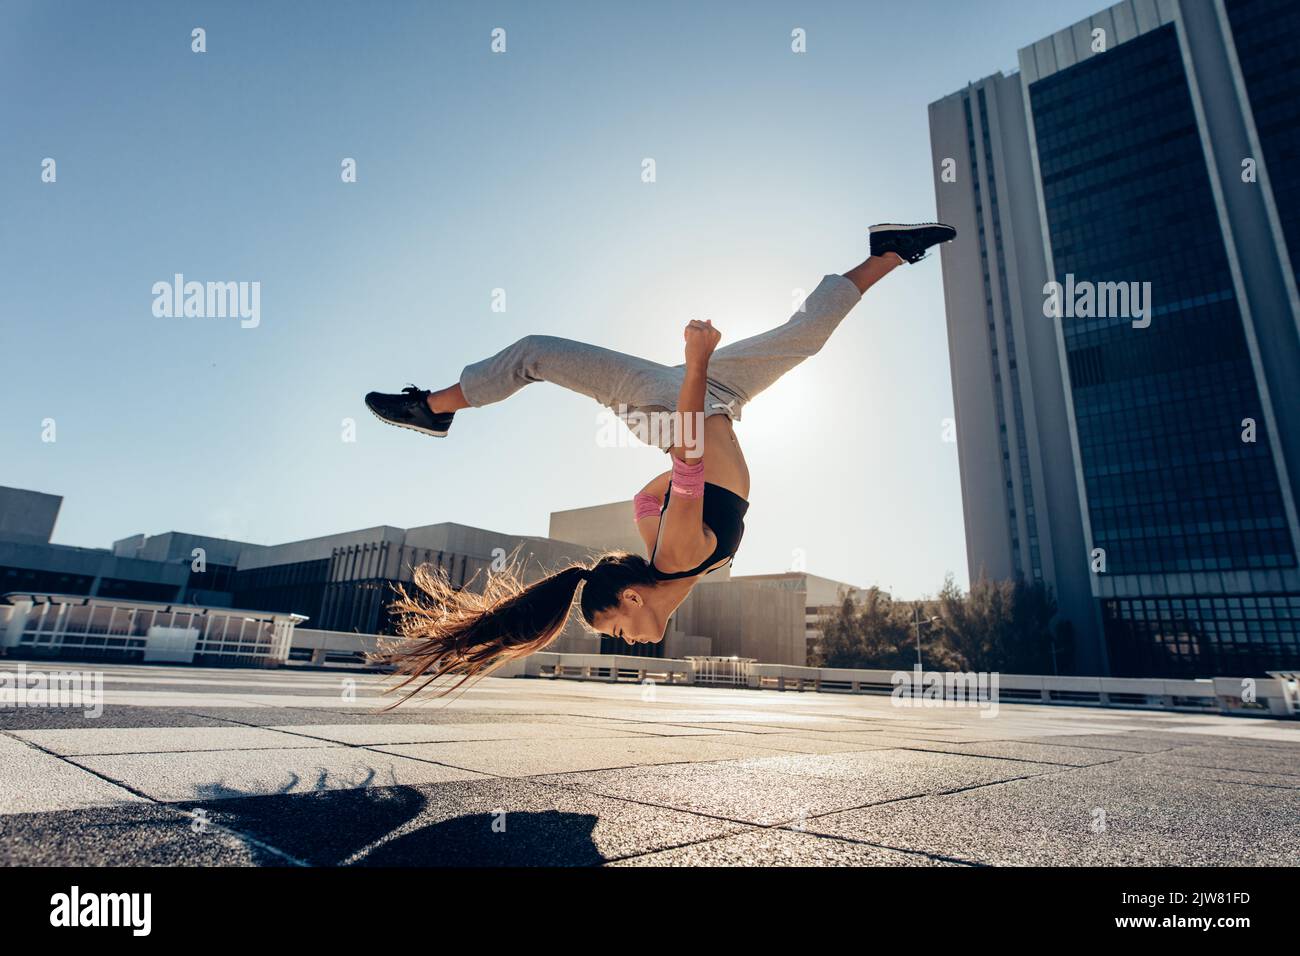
pixel 724 462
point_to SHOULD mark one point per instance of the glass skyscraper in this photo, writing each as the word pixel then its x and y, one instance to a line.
pixel 1131 157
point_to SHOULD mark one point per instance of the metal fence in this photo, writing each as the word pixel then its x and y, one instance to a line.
pixel 722 671
pixel 1278 695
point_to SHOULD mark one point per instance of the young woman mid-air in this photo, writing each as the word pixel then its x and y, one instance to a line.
pixel 691 517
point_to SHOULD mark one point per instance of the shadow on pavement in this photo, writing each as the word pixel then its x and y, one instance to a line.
pixel 519 838
pixel 381 826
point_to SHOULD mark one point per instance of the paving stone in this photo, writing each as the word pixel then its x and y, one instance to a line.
pixel 139 740
pixel 31 780
pixel 1122 814
pixel 143 834
pixel 523 758
pixel 780 847
pixel 777 790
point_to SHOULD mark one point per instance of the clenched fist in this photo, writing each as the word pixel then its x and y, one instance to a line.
pixel 701 339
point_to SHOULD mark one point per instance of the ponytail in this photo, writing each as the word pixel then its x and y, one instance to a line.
pixel 447 632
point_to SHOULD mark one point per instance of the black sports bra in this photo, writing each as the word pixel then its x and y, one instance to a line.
pixel 724 515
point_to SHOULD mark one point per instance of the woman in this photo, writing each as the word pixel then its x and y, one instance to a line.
pixel 690 517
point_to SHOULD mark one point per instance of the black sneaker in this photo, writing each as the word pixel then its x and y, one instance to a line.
pixel 410 410
pixel 910 242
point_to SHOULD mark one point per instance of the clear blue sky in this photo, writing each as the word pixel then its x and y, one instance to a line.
pixel 476 171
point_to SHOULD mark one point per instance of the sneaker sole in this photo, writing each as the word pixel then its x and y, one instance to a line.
pixel 906 227
pixel 413 428
pixel 913 227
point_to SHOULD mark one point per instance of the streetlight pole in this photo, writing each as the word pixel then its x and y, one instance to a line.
pixel 916 617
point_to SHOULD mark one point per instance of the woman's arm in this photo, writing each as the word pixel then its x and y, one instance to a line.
pixel 684 541
pixel 647 505
pixel 657 487
pixel 688 438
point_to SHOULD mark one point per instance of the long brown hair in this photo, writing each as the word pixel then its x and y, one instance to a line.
pixel 444 631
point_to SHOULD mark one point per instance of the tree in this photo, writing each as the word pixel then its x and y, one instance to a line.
pixel 838 645
pixel 877 633
pixel 1005 626
pixel 1002 626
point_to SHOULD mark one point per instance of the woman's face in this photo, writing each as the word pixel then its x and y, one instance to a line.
pixel 631 620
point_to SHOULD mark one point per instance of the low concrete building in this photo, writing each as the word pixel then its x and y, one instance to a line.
pixel 211 561
pixel 344 583
pixel 601 527
pixel 744 618
pixel 821 596
pixel 169 567
pixel 28 516
pixel 61 569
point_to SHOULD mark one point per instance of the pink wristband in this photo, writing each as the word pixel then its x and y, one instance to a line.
pixel 645 504
pixel 688 480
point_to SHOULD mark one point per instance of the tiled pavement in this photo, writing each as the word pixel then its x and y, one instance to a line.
pixel 242 767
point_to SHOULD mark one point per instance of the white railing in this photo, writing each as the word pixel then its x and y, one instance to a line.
pixel 722 671
pixel 604 667
pixel 1275 696
pixel 1278 695
pixel 1289 682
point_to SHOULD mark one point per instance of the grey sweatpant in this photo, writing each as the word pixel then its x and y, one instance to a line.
pixel 625 383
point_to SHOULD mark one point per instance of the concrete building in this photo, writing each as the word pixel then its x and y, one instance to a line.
pixel 212 561
pixel 603 528
pixel 1139 459
pixel 29 562
pixel 345 582
pixel 342 584
pixel 28 516
pixel 744 618
pixel 821 596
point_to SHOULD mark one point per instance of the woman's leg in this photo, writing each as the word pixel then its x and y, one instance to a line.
pixel 868 273
pixel 449 399
pixel 747 367
pixel 612 378
pixel 615 378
